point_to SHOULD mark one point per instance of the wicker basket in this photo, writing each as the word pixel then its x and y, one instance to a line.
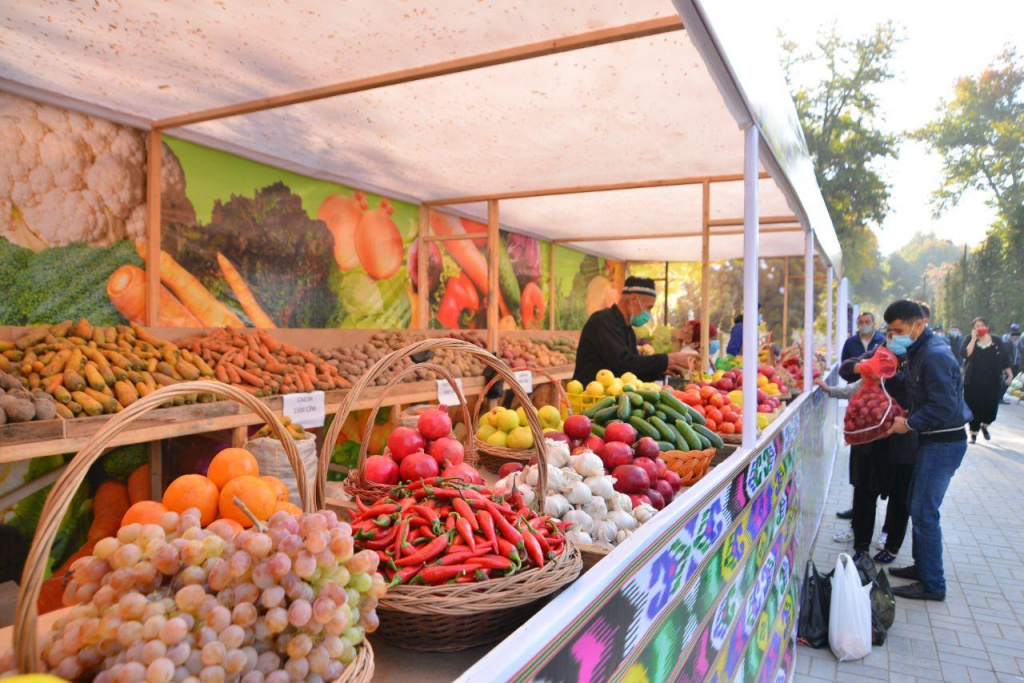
pixel 455 617
pixel 57 504
pixel 732 439
pixel 691 466
pixel 592 554
pixel 493 457
pixel 355 483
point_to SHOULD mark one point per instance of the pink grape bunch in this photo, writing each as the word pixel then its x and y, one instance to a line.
pixel 176 602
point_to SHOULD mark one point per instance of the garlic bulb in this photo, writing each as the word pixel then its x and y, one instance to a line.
pixel 604 531
pixel 529 494
pixel 622 520
pixel 557 452
pixel 577 536
pixel 622 535
pixel 579 519
pixel 596 507
pixel 601 485
pixel 643 512
pixel 556 477
pixel 623 502
pixel 556 505
pixel 588 464
pixel 578 493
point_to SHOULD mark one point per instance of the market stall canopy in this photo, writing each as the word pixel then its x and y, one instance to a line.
pixel 636 102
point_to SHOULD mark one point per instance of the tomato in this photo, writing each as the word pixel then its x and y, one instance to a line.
pixel 713 413
pixel 730 416
pixel 707 392
pixel 717 400
pixel 739 426
pixel 700 409
pixel 690 398
pixel 711 424
pixel 727 428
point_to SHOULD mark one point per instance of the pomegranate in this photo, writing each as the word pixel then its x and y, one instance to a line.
pixel 403 441
pixel 647 447
pixel 434 424
pixel 621 432
pixel 673 479
pixel 418 465
pixel 577 426
pixel 447 450
pixel 465 471
pixel 380 469
pixel 615 453
pixel 559 436
pixel 631 479
pixel 657 500
pixel 639 499
pixel 593 443
pixel 648 466
pixel 665 489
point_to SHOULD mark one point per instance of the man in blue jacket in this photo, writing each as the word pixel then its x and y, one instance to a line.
pixel 865 340
pixel 938 415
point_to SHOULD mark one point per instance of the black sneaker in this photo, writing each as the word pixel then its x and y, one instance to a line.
pixel 974 437
pixel 984 432
pixel 917 591
pixel 905 572
pixel 845 514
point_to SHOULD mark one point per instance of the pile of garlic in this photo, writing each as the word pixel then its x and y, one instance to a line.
pixel 580 492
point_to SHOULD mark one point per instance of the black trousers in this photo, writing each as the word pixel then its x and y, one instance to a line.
pixel 897 514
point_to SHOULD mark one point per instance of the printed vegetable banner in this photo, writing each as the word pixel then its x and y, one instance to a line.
pixel 583 284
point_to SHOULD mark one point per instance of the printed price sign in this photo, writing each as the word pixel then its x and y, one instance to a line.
pixel 446 394
pixel 525 379
pixel 305 409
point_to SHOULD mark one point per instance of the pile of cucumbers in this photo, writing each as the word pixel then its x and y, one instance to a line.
pixel 657 414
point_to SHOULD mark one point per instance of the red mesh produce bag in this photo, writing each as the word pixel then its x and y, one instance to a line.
pixel 871 411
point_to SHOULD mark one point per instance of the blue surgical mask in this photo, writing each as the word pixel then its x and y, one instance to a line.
pixel 714 346
pixel 899 344
pixel 640 319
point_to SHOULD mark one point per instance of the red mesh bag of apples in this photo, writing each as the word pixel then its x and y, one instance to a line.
pixel 872 411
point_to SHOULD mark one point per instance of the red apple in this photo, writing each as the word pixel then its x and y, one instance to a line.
pixel 665 489
pixel 615 453
pixel 577 426
pixel 647 447
pixel 594 442
pixel 648 466
pixel 621 432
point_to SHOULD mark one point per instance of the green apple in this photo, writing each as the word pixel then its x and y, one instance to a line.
pixel 549 416
pixel 522 415
pixel 498 438
pixel 508 420
pixel 492 415
pixel 485 432
pixel 574 387
pixel 520 438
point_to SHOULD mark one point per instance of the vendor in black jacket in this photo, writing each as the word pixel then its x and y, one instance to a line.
pixel 608 342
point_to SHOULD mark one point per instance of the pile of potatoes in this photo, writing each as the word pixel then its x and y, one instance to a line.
pixel 17 404
pixel 353 361
pixel 521 352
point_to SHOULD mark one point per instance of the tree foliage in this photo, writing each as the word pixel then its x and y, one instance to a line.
pixel 838 107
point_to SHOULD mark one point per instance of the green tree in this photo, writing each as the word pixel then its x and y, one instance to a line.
pixel 838 107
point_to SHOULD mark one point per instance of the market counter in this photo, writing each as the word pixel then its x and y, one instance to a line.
pixel 708 587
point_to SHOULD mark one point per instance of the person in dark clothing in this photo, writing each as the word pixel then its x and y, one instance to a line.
pixel 735 345
pixel 956 341
pixel 608 341
pixel 865 340
pixel 986 364
pixel 1013 343
pixel 937 415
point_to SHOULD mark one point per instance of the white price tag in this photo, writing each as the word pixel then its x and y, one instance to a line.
pixel 446 395
pixel 525 379
pixel 305 409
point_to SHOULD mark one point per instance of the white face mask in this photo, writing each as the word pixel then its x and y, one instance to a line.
pixel 866 329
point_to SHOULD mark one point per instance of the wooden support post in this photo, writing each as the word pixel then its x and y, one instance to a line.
pixel 156 470
pixel 492 274
pixel 239 435
pixel 423 259
pixel 785 304
pixel 664 320
pixel 551 288
pixel 153 175
pixel 705 277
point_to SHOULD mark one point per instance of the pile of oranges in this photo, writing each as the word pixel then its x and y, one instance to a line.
pixel 233 473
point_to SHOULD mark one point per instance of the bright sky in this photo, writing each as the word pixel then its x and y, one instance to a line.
pixel 943 40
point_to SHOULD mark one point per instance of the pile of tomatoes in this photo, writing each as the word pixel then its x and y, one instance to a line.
pixel 722 415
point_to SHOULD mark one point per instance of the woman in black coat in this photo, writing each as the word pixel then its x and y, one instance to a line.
pixel 985 364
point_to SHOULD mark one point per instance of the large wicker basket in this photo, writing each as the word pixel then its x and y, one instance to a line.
pixel 355 483
pixel 691 466
pixel 452 617
pixel 493 457
pixel 57 503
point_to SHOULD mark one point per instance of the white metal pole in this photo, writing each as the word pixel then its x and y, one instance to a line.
pixel 809 313
pixel 750 286
pixel 842 326
pixel 829 348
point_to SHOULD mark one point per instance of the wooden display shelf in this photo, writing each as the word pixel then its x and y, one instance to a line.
pixel 25 440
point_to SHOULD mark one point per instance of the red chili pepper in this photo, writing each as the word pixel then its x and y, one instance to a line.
pixel 530 531
pixel 403 532
pixel 406 503
pixel 405 575
pixel 361 505
pixel 465 530
pixel 507 530
pixel 377 509
pixel 492 562
pixel 506 549
pixel 382 542
pixel 533 549
pixel 430 515
pixel 487 526
pixel 478 575
pixel 425 554
pixel 426 532
pixel 449 523
pixel 432 575
pixel 459 557
pixel 539 522
pixel 462 507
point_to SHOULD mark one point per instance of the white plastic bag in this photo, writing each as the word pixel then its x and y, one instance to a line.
pixel 849 620
pixel 270 455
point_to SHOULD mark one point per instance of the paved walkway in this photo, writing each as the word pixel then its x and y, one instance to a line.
pixel 977 634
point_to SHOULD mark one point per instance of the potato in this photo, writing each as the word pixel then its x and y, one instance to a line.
pixel 44 409
pixel 18 410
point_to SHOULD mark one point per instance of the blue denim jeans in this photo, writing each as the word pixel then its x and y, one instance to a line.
pixel 936 463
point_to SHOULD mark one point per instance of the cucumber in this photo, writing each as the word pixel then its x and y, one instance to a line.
pixel 690 436
pixel 604 415
pixel 649 409
pixel 508 281
pixel 637 413
pixel 605 402
pixel 650 396
pixel 643 428
pixel 705 443
pixel 677 437
pixel 634 398
pixel 671 415
pixel 630 388
pixel 715 439
pixel 674 403
pixel 666 446
pixel 660 415
pixel 623 410
pixel 660 425
pixel 695 417
pixel 597 430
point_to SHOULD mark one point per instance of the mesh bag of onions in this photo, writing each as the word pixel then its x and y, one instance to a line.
pixel 872 411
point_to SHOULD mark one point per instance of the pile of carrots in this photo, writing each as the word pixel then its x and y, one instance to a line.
pixel 441 530
pixel 261 365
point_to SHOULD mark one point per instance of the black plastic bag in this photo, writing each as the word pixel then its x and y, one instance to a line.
pixel 815 597
pixel 883 601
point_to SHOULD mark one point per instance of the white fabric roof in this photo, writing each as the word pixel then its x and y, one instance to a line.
pixel 642 109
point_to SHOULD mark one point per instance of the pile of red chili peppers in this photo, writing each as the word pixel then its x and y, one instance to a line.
pixel 438 530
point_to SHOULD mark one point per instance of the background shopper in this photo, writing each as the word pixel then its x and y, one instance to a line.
pixel 986 365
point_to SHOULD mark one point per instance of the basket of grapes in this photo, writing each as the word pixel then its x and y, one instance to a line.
pixel 277 596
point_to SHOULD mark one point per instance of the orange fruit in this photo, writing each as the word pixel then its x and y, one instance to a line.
pixel 255 494
pixel 277 486
pixel 231 463
pixel 144 512
pixel 193 491
pixel 231 524
pixel 290 508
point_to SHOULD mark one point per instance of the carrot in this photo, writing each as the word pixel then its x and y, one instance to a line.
pixel 469 258
pixel 51 593
pixel 138 485
pixel 245 296
pixel 126 289
pixel 111 501
pixel 197 299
